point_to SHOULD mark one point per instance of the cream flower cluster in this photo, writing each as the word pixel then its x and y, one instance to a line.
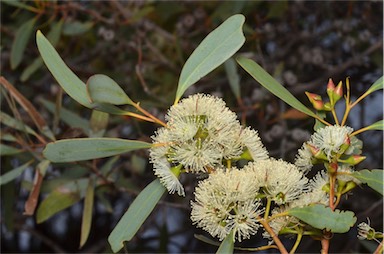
pixel 201 133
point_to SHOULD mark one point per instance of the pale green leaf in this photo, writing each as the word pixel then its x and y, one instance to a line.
pixel 376 86
pixel 72 28
pixel 71 84
pixel 55 202
pixel 322 217
pixel 99 123
pixel 19 4
pixel 15 124
pixel 20 42
pixel 214 50
pixel 8 150
pixel 378 126
pixel 136 214
pixel 79 149
pixel 87 213
pixel 373 178
pixel 68 117
pixel 233 76
pixel 14 173
pixel 227 245
pixel 103 89
pixel 271 84
pixel 53 36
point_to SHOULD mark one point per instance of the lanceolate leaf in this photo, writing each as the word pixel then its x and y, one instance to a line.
pixel 20 42
pixel 87 213
pixel 376 86
pixel 267 81
pixel 214 50
pixel 379 126
pixel 12 174
pixel 373 178
pixel 71 84
pixel 233 76
pixel 137 213
pixel 103 89
pixel 80 149
pixel 227 245
pixel 322 217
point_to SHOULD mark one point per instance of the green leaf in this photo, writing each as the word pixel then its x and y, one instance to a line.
pixel 378 126
pixel 214 50
pixel 14 173
pixel 322 217
pixel 103 89
pixel 72 28
pixel 233 76
pixel 136 214
pixel 80 149
pixel 8 150
pixel 98 123
pixel 71 84
pixel 20 42
pixel 373 178
pixel 87 212
pixel 53 36
pixel 267 81
pixel 376 86
pixel 68 117
pixel 227 245
pixel 56 201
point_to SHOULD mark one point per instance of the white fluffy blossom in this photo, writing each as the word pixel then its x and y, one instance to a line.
pixel 330 138
pixel 344 174
pixel 281 181
pixel 303 159
pixel 226 201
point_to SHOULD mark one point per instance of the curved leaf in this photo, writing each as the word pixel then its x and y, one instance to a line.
pixel 87 212
pixel 233 76
pixel 103 89
pixel 378 126
pixel 376 86
pixel 71 84
pixel 271 84
pixel 20 42
pixel 12 174
pixel 214 50
pixel 373 178
pixel 227 245
pixel 137 213
pixel 322 217
pixel 79 149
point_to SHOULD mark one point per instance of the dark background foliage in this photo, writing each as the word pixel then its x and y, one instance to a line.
pixel 143 45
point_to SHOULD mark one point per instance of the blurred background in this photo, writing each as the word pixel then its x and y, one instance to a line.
pixel 143 45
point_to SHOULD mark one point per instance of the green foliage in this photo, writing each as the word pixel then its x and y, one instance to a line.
pixel 233 76
pixel 20 43
pixel 379 126
pixel 373 178
pixel 80 149
pixel 136 214
pixel 12 174
pixel 227 244
pixel 267 81
pixel 103 89
pixel 378 85
pixel 87 212
pixel 322 217
pixel 214 50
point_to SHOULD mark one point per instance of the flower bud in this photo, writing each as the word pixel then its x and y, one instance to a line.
pixel 353 160
pixel 334 93
pixel 345 145
pixel 332 167
pixel 349 186
pixel 338 91
pixel 316 100
pixel 317 153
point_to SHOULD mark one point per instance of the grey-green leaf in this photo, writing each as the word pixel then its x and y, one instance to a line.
pixel 80 149
pixel 103 89
pixel 20 42
pixel 271 84
pixel 136 214
pixel 322 217
pixel 6 150
pixel 376 86
pixel 233 76
pixel 373 178
pixel 378 126
pixel 227 245
pixel 214 50
pixel 12 174
pixel 71 84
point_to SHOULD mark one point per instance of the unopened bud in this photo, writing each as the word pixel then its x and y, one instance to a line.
pixel 345 145
pixel 332 167
pixel 349 186
pixel 353 160
pixel 316 100
pixel 317 153
pixel 339 90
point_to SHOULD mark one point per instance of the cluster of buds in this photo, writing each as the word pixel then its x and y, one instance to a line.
pixel 334 94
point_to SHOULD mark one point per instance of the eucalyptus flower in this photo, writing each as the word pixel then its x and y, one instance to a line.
pixel 281 181
pixel 344 174
pixel 304 159
pixel 162 166
pixel 330 139
pixel 226 201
